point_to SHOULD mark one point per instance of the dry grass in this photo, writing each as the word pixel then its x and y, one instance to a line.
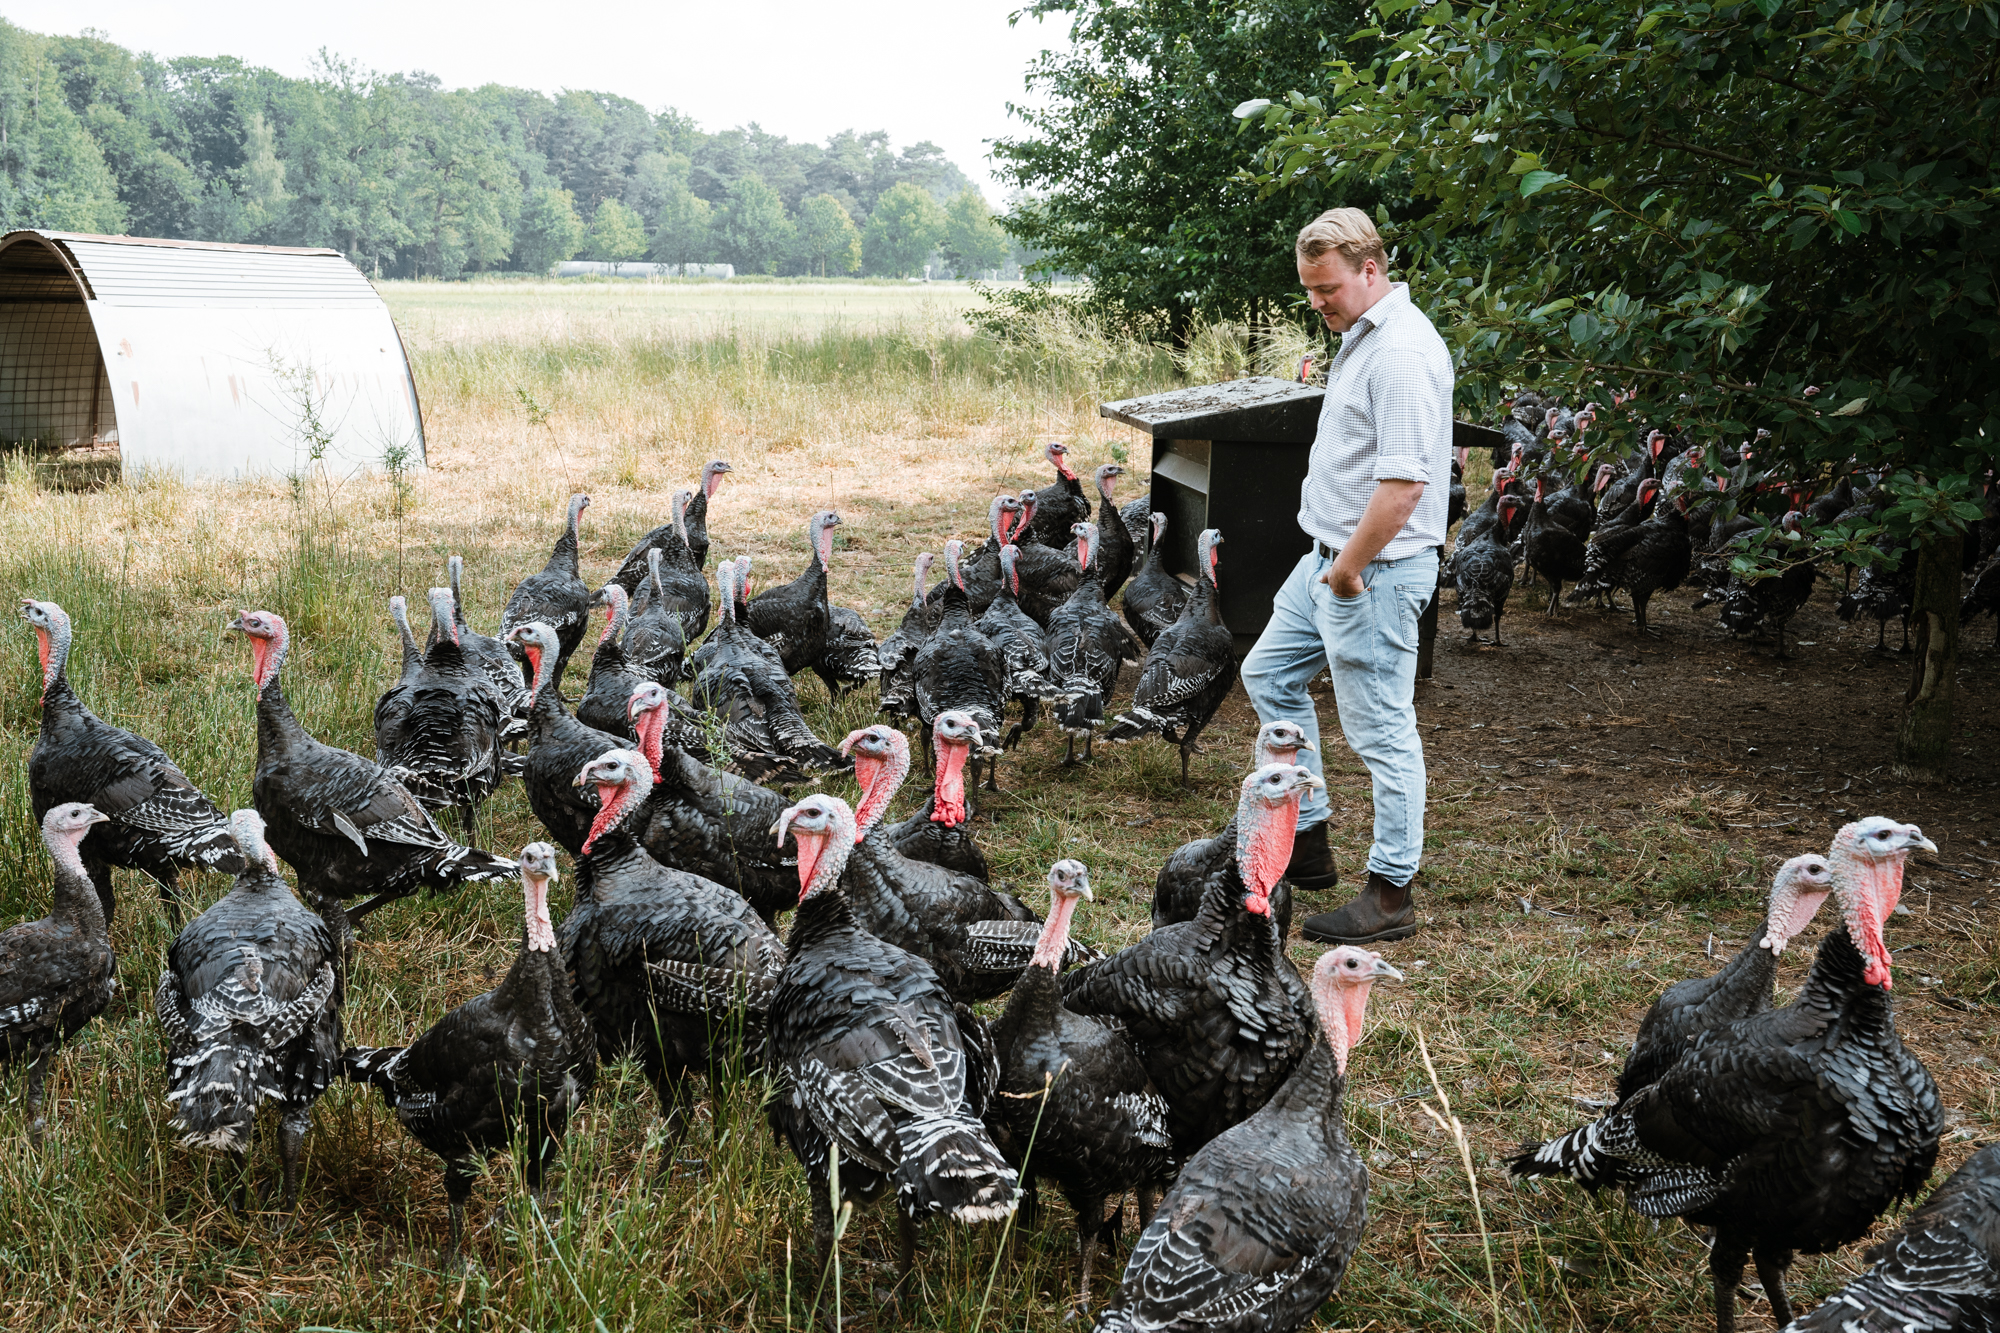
pixel 1546 933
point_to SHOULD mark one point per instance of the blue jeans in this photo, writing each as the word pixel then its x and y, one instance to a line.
pixel 1370 644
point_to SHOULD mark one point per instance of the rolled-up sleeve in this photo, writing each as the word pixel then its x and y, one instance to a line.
pixel 1412 412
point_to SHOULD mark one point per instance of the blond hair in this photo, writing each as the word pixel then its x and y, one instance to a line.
pixel 1347 230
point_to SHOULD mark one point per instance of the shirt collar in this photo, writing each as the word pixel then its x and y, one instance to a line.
pixel 1378 314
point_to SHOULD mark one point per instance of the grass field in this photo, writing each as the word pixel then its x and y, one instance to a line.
pixel 1602 856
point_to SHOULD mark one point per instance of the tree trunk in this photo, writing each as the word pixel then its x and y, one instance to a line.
pixel 1923 745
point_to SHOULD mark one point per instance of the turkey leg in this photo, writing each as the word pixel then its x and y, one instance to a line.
pixel 292 1127
pixel 38 1072
pixel 1725 1263
pixel 1771 1266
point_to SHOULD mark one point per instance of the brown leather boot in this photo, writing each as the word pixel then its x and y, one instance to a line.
pixel 1311 867
pixel 1381 911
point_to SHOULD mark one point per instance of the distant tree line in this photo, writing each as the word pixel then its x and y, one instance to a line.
pixel 410 179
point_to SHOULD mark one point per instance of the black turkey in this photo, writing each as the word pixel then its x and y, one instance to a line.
pixel 558 745
pixel 1483 571
pixel 980 569
pixel 1023 645
pixel 1087 646
pixel 875 1060
pixel 793 617
pixel 1117 551
pixel 608 688
pixel 1183 881
pixel 492 657
pixel 898 652
pixel 1937 1273
pixel 639 916
pixel 709 822
pixel 1790 1130
pixel 1740 988
pixel 1212 1004
pixel 507 1067
pixel 1137 516
pixel 1258 1229
pixel 1748 605
pixel 849 659
pixel 1189 670
pixel 939 830
pixel 57 973
pixel 1059 506
pixel 1153 600
pixel 1482 520
pixel 1643 559
pixel 339 820
pixel 1048 574
pixel 250 1004
pixel 684 588
pixel 1075 1105
pixel 1597 567
pixel 1455 497
pixel 977 938
pixel 437 731
pixel 654 642
pixel 741 679
pixel 558 596
pixel 1554 543
pixel 155 820
pixel 958 667
pixel 696 518
pixel 1883 589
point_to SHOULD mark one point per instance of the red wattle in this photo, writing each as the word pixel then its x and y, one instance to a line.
pixel 609 799
pixel 650 727
pixel 811 848
pixel 949 807
pixel 1260 903
pixel 1055 934
pixel 260 653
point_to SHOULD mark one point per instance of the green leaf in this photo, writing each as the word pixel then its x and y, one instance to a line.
pixel 1648 23
pixel 1537 181
pixel 1767 8
pixel 1851 409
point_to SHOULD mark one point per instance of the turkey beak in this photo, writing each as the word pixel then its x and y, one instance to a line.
pixel 1305 744
pixel 1913 838
pixel 99 817
pixel 236 624
pixel 1313 782
pixel 1381 969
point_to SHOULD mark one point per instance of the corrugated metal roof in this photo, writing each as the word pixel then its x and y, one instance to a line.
pixel 122 273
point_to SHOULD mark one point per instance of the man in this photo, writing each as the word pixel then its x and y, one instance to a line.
pixel 1374 503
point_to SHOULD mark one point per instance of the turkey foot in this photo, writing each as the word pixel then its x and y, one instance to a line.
pixel 1771 1266
pixel 1725 1264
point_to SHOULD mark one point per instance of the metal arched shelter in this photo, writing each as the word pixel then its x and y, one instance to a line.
pixel 199 358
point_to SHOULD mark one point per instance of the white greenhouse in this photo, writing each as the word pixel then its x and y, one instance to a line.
pixel 201 359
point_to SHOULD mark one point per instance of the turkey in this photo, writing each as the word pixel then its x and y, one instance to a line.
pixel 1258 1229
pixel 1023 645
pixel 898 652
pixel 437 731
pixel 558 596
pixel 1183 881
pixel 684 587
pixel 1483 571
pixel 558 745
pixel 1087 646
pixel 250 1004
pixel 491 656
pixel 1155 597
pixel 976 938
pixel 1883 589
pixel 638 914
pixel 958 667
pixel 850 659
pixel 1455 497
pixel 1137 516
pixel 1644 559
pixel 1555 550
pixel 980 569
pixel 1117 551
pixel 707 821
pixel 342 822
pixel 654 642
pixel 938 831
pixel 507 1067
pixel 1487 518
pixel 793 617
pixel 155 820
pixel 57 973
pixel 1742 986
pixel 1059 506
pixel 1790 1130
pixel 1770 603
pixel 1048 574
pixel 873 1059
pixel 1075 1105
pixel 696 519
pixel 1610 534
pixel 1189 669
pixel 1937 1273
pixel 1984 598
pixel 612 676
pixel 741 679
pixel 1212 1004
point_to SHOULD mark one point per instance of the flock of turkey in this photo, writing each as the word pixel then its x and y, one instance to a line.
pixel 1670 512
pixel 1196 1070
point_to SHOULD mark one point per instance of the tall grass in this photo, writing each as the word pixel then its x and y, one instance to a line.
pixel 113 1225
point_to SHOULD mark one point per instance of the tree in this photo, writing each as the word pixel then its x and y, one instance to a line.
pixel 972 241
pixel 826 237
pixel 550 231
pixel 902 231
pixel 52 173
pixel 683 230
pixel 1755 215
pixel 753 231
pixel 1132 156
pixel 616 233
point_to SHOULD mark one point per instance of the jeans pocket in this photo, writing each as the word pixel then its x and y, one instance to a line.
pixel 1351 631
pixel 1411 601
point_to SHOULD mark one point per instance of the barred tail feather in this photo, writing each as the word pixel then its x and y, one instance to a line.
pixel 1141 721
pixel 464 865
pixel 214 848
pixel 1578 1155
pixel 949 1166
pixel 1079 711
pixel 369 1064
pixel 216 1089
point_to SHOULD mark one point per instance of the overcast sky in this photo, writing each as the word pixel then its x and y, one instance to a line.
pixel 943 72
